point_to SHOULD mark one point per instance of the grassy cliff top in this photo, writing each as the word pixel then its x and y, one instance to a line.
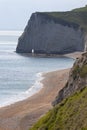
pixel 78 16
pixel 70 114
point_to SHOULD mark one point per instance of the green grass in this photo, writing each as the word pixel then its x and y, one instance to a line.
pixel 76 70
pixel 78 16
pixel 81 71
pixel 80 9
pixel 71 114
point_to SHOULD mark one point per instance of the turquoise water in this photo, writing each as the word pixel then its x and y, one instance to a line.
pixel 20 75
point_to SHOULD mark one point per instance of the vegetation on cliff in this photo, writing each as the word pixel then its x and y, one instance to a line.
pixel 80 67
pixel 78 16
pixel 82 71
pixel 70 114
pixel 77 79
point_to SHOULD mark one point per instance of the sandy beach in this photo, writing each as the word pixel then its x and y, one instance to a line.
pixel 74 55
pixel 21 115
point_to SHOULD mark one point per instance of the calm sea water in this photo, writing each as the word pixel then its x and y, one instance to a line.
pixel 19 75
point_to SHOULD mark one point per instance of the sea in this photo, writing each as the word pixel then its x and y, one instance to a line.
pixel 20 75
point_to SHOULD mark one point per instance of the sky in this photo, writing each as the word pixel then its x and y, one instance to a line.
pixel 14 14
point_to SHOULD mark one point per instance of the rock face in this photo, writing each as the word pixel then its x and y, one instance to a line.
pixel 77 79
pixel 49 35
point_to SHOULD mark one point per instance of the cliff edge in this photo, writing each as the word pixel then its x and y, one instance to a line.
pixel 77 79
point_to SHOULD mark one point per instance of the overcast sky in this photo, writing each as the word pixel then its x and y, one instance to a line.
pixel 14 14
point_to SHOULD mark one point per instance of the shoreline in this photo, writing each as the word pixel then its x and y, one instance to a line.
pixel 72 55
pixel 21 115
pixel 35 88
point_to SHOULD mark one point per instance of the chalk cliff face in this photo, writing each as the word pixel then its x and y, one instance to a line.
pixel 49 35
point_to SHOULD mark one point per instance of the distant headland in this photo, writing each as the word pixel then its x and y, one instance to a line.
pixel 55 33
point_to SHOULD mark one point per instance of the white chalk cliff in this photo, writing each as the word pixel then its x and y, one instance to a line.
pixel 49 35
